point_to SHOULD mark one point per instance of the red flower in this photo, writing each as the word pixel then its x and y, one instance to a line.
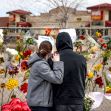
pixel 16 105
pixel 24 87
pixel 48 31
pixel 25 106
pixel 27 53
pixel 99 81
pixel 15 101
pixel 104 46
pixel 18 37
pixel 24 65
pixel 6 107
pixel 82 37
pixel 13 70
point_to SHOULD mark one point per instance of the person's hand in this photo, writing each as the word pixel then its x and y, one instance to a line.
pixel 56 57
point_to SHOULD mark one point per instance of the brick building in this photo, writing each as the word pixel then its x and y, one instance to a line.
pixel 101 15
pixel 16 18
pixel 54 17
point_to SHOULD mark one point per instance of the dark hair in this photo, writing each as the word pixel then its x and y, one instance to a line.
pixel 44 49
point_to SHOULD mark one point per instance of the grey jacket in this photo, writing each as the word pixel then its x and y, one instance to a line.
pixel 39 84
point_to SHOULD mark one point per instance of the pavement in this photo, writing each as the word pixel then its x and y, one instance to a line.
pixel 105 106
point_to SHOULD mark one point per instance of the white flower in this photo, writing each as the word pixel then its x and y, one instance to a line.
pixel 1 40
pixel 12 51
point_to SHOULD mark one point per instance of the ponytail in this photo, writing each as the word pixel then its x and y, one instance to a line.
pixel 44 49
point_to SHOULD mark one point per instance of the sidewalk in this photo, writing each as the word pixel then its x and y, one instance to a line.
pixel 105 106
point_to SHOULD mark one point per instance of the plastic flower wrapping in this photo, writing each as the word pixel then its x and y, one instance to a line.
pixel 14 71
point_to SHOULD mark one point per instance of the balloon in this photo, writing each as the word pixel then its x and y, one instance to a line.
pixel 97 97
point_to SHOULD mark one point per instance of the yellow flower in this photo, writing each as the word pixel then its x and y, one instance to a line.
pixel 11 84
pixel 94 49
pixel 98 67
pixel 108 89
pixel 17 57
pixel 98 34
pixel 21 53
pixel 90 75
pixel 89 56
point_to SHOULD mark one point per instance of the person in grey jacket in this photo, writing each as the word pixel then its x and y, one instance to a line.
pixel 39 96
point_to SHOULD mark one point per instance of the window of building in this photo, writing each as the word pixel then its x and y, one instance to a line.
pixel 109 15
pixel 12 23
pixel 79 19
pixel 23 18
pixel 97 23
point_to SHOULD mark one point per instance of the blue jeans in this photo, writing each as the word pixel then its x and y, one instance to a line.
pixel 37 108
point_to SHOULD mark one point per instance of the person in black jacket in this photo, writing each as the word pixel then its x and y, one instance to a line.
pixel 69 95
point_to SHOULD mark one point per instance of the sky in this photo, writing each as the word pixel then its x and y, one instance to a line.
pixel 37 6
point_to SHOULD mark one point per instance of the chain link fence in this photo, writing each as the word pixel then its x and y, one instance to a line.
pixel 10 36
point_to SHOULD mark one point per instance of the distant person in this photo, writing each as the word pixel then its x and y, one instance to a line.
pixel 39 97
pixel 69 95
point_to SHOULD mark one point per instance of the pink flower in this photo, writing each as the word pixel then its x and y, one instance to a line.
pixel 101 40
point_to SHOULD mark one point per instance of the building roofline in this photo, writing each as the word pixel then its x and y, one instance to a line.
pixel 19 11
pixel 103 6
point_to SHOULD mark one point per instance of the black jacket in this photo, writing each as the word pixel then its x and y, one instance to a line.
pixel 71 91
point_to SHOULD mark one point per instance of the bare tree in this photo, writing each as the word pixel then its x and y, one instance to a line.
pixel 65 7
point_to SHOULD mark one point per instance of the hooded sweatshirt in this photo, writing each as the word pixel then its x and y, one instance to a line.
pixel 39 84
pixel 71 91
